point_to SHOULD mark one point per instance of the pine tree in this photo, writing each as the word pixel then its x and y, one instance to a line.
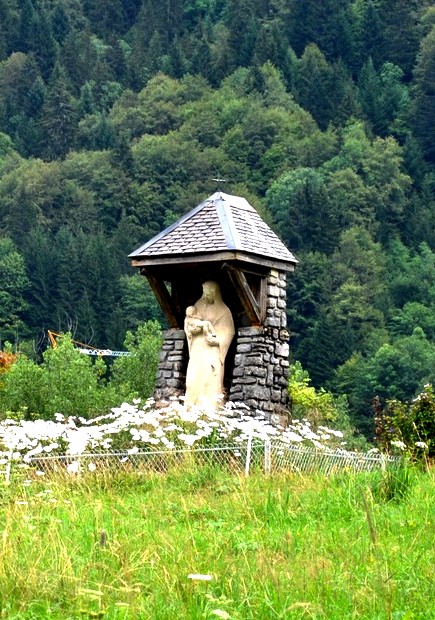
pixel 41 265
pixel 44 46
pixel 59 118
pixel 369 85
pixel 371 44
pixel 424 99
pixel 325 23
pixel 60 22
pixel 313 82
pixel 401 32
pixel 28 19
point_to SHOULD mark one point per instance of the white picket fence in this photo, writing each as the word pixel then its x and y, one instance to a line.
pixel 269 457
pixel 7 465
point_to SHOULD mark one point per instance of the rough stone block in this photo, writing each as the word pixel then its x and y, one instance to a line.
pixel 244 348
pixel 237 395
pixel 174 358
pixel 273 291
pixel 275 396
pixel 267 406
pixel 259 371
pixel 250 331
pixel 253 360
pixel 282 350
pixel 248 380
pixel 176 383
pixel 174 334
pixel 239 360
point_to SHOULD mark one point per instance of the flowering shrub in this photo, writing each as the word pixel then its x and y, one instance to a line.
pixel 408 427
pixel 134 427
pixel 6 360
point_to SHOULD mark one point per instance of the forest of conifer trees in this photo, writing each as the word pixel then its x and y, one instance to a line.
pixel 116 115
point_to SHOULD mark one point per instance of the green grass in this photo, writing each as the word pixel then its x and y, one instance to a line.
pixel 122 547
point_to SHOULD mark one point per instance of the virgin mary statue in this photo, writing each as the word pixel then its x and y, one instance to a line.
pixel 209 328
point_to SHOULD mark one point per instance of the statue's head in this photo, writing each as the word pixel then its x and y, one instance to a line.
pixel 190 311
pixel 211 291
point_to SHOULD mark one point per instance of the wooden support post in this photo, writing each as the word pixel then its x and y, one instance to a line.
pixel 164 298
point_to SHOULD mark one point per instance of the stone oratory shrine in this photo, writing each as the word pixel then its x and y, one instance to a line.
pixel 219 275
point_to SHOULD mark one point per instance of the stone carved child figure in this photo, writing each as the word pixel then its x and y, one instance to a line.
pixel 194 325
pixel 209 330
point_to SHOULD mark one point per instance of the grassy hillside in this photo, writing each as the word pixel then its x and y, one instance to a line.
pixel 123 546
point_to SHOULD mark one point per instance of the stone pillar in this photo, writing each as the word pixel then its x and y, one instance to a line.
pixel 171 373
pixel 261 364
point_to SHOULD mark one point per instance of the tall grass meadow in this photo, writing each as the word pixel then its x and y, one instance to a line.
pixel 203 542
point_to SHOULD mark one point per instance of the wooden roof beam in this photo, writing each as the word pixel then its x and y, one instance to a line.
pixel 164 298
pixel 251 306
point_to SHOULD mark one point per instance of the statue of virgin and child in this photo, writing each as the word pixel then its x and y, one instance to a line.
pixel 209 328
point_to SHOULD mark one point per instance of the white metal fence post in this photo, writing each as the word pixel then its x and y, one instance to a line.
pixel 267 456
pixel 7 471
pixel 248 455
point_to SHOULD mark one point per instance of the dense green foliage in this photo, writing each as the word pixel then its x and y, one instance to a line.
pixel 115 116
pixel 122 545
pixel 73 384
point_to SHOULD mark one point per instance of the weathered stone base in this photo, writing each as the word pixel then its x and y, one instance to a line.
pixel 261 371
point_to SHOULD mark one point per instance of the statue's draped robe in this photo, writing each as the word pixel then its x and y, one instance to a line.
pixel 205 371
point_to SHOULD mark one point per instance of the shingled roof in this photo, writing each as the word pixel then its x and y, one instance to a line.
pixel 221 223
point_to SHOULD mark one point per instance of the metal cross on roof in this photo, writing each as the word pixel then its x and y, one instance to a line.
pixel 219 180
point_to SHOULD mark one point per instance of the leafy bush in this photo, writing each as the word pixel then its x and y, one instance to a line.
pixel 74 384
pixel 134 376
pixel 316 405
pixel 66 382
pixel 320 407
pixel 23 389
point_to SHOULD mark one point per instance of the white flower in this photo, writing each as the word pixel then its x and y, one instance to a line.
pixel 398 444
pixel 189 440
pixel 199 577
pixel 92 466
pixel 317 444
pixel 421 444
pixel 73 467
pixel 220 613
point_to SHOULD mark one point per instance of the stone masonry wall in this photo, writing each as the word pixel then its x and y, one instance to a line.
pixel 171 373
pixel 261 364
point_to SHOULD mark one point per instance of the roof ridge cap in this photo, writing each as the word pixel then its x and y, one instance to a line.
pixel 231 234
